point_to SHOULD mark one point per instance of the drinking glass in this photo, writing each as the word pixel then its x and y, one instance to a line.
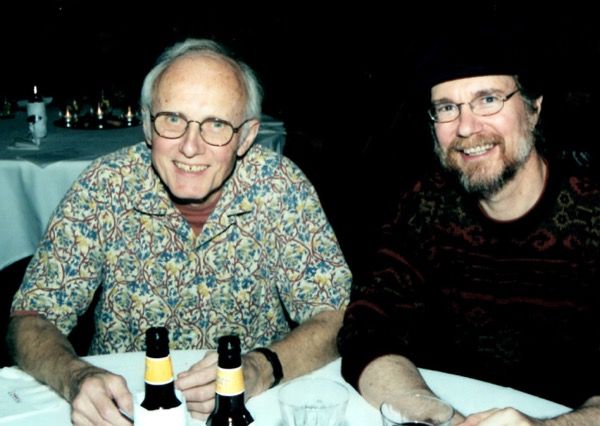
pixel 313 402
pixel 416 410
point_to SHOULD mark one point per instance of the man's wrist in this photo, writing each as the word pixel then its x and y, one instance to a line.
pixel 273 359
pixel 77 378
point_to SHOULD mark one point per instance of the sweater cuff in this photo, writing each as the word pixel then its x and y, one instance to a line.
pixel 355 360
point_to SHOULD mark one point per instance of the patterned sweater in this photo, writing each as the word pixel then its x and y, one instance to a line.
pixel 266 255
pixel 515 303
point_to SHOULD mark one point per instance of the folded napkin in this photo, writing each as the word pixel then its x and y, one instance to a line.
pixel 22 396
pixel 27 402
pixel 23 145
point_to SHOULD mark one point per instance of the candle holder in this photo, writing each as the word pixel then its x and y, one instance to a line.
pixel 68 117
pixel 97 117
pixel 129 117
pixel 100 117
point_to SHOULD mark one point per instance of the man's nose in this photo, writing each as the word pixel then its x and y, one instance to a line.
pixel 193 144
pixel 468 122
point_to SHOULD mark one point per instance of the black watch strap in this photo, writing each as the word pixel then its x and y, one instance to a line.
pixel 275 364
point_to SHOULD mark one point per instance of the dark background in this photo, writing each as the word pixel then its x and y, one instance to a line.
pixel 339 80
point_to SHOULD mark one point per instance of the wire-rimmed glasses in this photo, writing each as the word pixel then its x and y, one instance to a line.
pixel 213 131
pixel 483 106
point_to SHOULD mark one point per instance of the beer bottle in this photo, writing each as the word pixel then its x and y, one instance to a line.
pixel 230 409
pixel 160 385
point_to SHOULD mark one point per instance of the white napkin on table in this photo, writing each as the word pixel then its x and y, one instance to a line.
pixel 21 395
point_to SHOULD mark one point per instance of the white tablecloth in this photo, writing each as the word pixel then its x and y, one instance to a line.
pixel 23 401
pixel 32 183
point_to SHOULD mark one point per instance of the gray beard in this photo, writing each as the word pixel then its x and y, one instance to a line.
pixel 484 190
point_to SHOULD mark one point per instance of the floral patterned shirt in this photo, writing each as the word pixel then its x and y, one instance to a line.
pixel 266 252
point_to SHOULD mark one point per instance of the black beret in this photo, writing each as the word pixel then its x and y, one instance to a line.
pixel 479 52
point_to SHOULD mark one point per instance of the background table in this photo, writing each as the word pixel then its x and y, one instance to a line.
pixel 32 183
pixel 39 405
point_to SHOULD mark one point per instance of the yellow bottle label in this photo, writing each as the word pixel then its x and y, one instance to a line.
pixel 158 371
pixel 230 381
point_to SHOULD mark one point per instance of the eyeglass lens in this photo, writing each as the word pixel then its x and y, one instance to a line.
pixel 213 131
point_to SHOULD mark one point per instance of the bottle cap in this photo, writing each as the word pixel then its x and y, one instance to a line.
pixel 157 341
pixel 229 343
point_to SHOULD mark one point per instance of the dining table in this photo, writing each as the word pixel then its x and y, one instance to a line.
pixel 33 179
pixel 26 402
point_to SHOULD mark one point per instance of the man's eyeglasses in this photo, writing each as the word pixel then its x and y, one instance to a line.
pixel 483 106
pixel 214 131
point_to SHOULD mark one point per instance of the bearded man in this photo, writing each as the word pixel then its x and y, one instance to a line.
pixel 493 275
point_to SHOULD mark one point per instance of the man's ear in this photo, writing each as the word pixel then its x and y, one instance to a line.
pixel 537 109
pixel 147 126
pixel 538 104
pixel 251 133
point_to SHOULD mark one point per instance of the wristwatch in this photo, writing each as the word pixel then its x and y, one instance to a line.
pixel 275 364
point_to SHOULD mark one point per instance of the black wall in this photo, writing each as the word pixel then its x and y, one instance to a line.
pixel 338 79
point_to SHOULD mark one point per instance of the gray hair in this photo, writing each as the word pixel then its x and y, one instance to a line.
pixel 254 92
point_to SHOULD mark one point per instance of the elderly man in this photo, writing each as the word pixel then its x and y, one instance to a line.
pixel 490 267
pixel 196 230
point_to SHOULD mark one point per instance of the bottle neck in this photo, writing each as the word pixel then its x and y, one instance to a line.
pixel 159 371
pixel 230 382
pixel 159 384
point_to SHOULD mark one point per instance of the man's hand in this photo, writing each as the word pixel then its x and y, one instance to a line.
pixel 96 396
pixel 500 417
pixel 41 350
pixel 198 385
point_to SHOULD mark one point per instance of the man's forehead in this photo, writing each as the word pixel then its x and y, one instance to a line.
pixel 201 73
pixel 205 64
